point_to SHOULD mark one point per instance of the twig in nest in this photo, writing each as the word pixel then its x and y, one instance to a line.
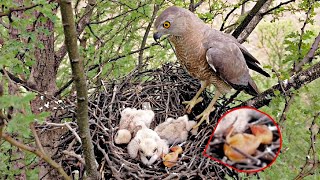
pixel 312 161
pixel 66 124
pixel 36 137
pixel 73 154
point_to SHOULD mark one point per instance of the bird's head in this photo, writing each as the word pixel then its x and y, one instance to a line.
pixel 148 151
pixel 172 21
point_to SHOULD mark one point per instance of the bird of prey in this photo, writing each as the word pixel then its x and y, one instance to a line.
pixel 207 54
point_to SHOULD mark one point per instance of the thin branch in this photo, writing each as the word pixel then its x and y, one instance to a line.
pixel 10 10
pixel 114 17
pixel 36 137
pixel 303 29
pixel 248 18
pixel 228 15
pixel 193 6
pixel 277 7
pixel 312 162
pixel 73 154
pixel 310 55
pixel 145 36
pixel 64 87
pixel 15 79
pixel 37 152
pixel 286 108
pixel 295 82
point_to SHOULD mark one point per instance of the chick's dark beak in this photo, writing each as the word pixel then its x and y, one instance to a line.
pixel 157 36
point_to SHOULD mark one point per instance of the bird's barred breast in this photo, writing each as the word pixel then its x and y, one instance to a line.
pixel 193 59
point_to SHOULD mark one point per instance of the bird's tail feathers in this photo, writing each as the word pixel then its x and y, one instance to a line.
pixel 252 88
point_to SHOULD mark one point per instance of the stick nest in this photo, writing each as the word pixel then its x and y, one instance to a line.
pixel 163 89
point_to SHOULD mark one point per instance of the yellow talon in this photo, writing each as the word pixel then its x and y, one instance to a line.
pixel 192 103
pixel 206 113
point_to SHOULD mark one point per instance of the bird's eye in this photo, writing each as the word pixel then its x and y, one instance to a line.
pixel 155 150
pixel 166 24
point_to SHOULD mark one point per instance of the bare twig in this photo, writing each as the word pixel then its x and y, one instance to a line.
pixel 248 18
pixel 193 6
pixel 277 7
pixel 73 154
pixel 36 137
pixel 310 55
pixel 145 36
pixel 295 82
pixel 312 162
pixel 114 17
pixel 230 12
pixel 24 8
pixel 37 152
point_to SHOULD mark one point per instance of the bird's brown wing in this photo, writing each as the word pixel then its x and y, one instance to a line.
pixel 251 61
pixel 227 60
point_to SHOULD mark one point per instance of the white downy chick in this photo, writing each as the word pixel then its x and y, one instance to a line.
pixel 132 120
pixel 176 130
pixel 148 146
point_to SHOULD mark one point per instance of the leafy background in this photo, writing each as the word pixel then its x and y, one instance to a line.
pixel 111 44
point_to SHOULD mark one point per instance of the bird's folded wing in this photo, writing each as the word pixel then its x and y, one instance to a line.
pixel 252 62
pixel 226 59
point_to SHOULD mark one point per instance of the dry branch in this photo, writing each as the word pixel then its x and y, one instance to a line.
pixel 23 8
pixel 310 55
pixel 277 7
pixel 81 87
pixel 295 82
pixel 312 161
pixel 248 18
pixel 84 20
pixel 37 152
pixel 145 36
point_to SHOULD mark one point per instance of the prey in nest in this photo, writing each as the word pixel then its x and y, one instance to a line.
pixel 246 140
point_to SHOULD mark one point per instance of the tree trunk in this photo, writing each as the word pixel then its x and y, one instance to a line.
pixel 44 71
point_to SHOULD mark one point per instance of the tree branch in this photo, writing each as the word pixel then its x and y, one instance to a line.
pixel 81 87
pixel 145 36
pixel 248 18
pixel 308 58
pixel 10 10
pixel 114 17
pixel 253 23
pixel 35 151
pixel 312 161
pixel 84 20
pixel 229 13
pixel 277 7
pixel 193 6
pixel 295 82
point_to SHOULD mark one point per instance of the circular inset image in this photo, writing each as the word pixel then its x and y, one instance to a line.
pixel 245 139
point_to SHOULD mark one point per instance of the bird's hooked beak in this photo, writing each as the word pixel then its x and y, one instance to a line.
pixel 157 36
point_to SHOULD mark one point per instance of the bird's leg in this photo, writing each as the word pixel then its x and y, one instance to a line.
pixel 206 113
pixel 196 99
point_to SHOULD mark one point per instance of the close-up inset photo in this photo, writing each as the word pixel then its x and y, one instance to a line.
pixel 245 139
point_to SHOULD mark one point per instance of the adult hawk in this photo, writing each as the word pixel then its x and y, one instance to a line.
pixel 209 55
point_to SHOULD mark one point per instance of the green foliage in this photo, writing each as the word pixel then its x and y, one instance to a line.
pixel 112 42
